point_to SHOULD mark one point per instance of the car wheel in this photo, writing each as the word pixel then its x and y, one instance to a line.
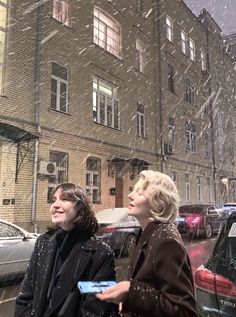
pixel 128 245
pixel 208 231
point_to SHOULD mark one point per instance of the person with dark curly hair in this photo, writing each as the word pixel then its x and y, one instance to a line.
pixel 67 253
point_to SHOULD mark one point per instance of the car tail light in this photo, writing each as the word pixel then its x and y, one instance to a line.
pixel 212 282
pixel 193 220
pixel 108 229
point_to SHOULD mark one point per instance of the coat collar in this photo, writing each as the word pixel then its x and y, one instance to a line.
pixel 140 250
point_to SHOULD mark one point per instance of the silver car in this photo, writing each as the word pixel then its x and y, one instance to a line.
pixel 16 247
pixel 118 229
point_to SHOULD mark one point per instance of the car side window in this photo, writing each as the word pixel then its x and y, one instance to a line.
pixel 7 231
pixel 212 211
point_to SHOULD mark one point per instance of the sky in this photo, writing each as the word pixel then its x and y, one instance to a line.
pixel 223 12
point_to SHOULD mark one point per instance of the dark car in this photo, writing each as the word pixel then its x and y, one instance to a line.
pixel 228 208
pixel 16 247
pixel 216 280
pixel 199 220
pixel 118 229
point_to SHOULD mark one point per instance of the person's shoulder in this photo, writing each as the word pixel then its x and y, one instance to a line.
pixel 167 231
pixel 98 245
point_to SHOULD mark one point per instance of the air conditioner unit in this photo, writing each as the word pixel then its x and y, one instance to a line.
pixel 47 168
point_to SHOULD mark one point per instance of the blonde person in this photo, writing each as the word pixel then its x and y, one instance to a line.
pixel 160 281
pixel 67 253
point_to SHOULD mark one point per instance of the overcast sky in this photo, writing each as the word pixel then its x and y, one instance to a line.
pixel 223 12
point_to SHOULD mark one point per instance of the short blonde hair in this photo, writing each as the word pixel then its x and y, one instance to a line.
pixel 162 195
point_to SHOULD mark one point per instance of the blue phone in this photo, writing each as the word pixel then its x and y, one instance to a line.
pixel 87 287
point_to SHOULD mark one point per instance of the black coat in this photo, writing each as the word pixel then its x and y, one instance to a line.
pixel 88 260
pixel 161 277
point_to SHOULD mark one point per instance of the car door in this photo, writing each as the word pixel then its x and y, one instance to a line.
pixel 213 218
pixel 14 251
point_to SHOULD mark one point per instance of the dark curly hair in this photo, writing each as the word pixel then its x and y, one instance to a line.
pixel 84 219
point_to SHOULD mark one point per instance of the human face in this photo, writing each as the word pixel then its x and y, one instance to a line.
pixel 139 205
pixel 62 211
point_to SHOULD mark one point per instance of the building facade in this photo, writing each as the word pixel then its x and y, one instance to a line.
pixel 94 92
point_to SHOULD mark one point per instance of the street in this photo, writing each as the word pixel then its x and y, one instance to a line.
pixel 198 250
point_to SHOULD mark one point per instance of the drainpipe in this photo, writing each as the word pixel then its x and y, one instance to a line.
pixel 211 115
pixel 158 74
pixel 37 120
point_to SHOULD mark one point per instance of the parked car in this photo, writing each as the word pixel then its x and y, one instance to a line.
pixel 118 229
pixel 216 280
pixel 16 246
pixel 228 208
pixel 199 219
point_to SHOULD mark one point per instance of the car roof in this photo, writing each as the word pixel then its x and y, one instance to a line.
pixel 230 204
pixel 112 215
pixel 197 207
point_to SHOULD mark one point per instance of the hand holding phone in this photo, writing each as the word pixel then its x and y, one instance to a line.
pixel 87 287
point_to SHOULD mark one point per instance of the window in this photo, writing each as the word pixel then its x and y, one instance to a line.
pixel 107 32
pixel 189 91
pixel 59 88
pixel 61 160
pixel 203 61
pixel 93 179
pixel 3 30
pixel 169 28
pixel 209 188
pixel 61 11
pixel 190 136
pixel 184 42
pixel 140 120
pixel 174 177
pixel 187 187
pixel 140 6
pixel 192 50
pixel 171 78
pixel 171 131
pixel 206 145
pixel 199 196
pixel 140 55
pixel 105 103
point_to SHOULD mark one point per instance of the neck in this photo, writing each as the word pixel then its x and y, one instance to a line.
pixel 143 223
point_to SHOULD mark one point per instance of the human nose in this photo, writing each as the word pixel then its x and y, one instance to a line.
pixel 56 203
pixel 130 195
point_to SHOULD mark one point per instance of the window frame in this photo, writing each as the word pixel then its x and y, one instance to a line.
pixel 171 82
pixel 110 29
pixel 187 187
pixel 184 42
pixel 140 55
pixel 58 94
pixel 203 60
pixel 92 173
pixel 169 28
pixel 189 94
pixel 190 137
pixel 111 110
pixel 59 14
pixel 192 50
pixel 141 120
pixel 174 177
pixel 171 131
pixel 61 168
pixel 198 185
